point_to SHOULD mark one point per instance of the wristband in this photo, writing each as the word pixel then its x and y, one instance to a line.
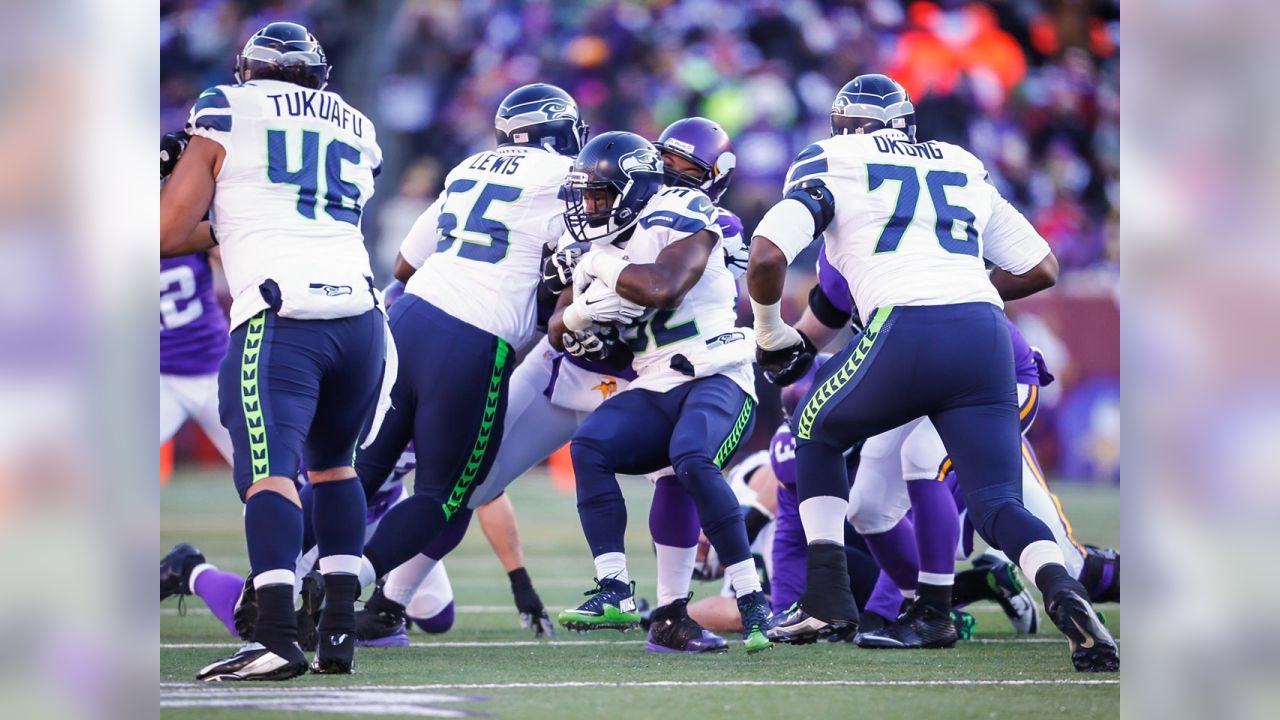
pixel 605 267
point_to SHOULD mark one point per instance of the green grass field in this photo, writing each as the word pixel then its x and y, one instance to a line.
pixel 488 666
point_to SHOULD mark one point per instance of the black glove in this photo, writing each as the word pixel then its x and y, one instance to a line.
pixel 787 365
pixel 595 343
pixel 171 147
pixel 533 616
pixel 557 271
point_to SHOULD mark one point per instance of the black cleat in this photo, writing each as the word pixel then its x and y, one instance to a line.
pixel 309 613
pixel 381 623
pixel 921 626
pixel 255 662
pixel 798 627
pixel 1012 596
pixel 246 613
pixel 335 654
pixel 175 570
pixel 671 630
pixel 1092 647
pixel 826 608
pixel 646 613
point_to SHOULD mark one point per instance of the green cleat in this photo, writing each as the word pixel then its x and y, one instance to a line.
pixel 965 623
pixel 611 606
pixel 754 610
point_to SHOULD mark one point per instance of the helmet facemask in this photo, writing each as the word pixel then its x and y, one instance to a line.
pixel 592 209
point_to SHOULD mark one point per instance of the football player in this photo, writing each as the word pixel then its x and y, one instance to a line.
pixel 656 254
pixel 464 311
pixel 284 169
pixel 915 266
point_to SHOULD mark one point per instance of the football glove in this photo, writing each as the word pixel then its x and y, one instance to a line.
pixel 171 147
pixel 533 615
pixel 557 271
pixel 594 343
pixel 598 304
pixel 785 366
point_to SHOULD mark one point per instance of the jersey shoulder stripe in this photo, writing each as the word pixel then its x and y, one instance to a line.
pixel 211 111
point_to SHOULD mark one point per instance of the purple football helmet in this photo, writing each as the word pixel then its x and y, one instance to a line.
pixel 705 144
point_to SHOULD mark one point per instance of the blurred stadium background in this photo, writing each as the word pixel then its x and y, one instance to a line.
pixel 1032 87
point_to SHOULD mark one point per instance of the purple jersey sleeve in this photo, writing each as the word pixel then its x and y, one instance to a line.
pixel 193 327
pixel 1028 365
pixel 833 284
pixel 782 456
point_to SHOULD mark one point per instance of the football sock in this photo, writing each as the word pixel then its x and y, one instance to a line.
pixel 273 533
pixel 405 580
pixel 827 594
pixel 823 518
pixel 895 551
pixel 277 624
pixel 743 576
pixel 1053 578
pixel 886 599
pixel 932 592
pixel 718 509
pixel 973 585
pixel 340 592
pixel 937 526
pixel 675 572
pixel 821 472
pixel 219 590
pixel 602 509
pixel 1043 555
pixel 673 515
pixel 612 565
pixel 337 517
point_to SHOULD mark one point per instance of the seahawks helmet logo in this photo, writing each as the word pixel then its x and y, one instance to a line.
pixel 640 159
pixel 559 110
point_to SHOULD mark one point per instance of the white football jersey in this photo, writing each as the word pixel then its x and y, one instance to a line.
pixel 702 328
pixel 913 221
pixel 499 209
pixel 298 171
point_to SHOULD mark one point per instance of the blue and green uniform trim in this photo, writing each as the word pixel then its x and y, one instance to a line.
pixel 251 396
pixel 487 421
pixel 844 376
pixel 730 444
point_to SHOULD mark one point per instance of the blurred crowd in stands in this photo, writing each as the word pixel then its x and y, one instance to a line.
pixel 1030 86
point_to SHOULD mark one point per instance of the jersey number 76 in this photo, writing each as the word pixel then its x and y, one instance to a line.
pixel 904 209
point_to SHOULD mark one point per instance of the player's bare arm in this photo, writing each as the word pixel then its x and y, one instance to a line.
pixel 1041 277
pixel 663 283
pixel 403 270
pixel 185 199
pixel 555 325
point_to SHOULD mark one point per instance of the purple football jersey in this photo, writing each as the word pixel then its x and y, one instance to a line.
pixel 782 456
pixel 193 328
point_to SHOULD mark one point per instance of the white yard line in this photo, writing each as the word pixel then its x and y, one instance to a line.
pixel 178 691
pixel 572 643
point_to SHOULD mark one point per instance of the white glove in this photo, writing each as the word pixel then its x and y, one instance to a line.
pixel 772 333
pixel 598 265
pixel 601 305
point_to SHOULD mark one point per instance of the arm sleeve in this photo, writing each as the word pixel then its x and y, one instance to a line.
pixel 423 237
pixel 1010 241
pixel 210 116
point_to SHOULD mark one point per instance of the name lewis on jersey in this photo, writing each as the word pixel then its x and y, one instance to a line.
pixel 902 147
pixel 311 103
